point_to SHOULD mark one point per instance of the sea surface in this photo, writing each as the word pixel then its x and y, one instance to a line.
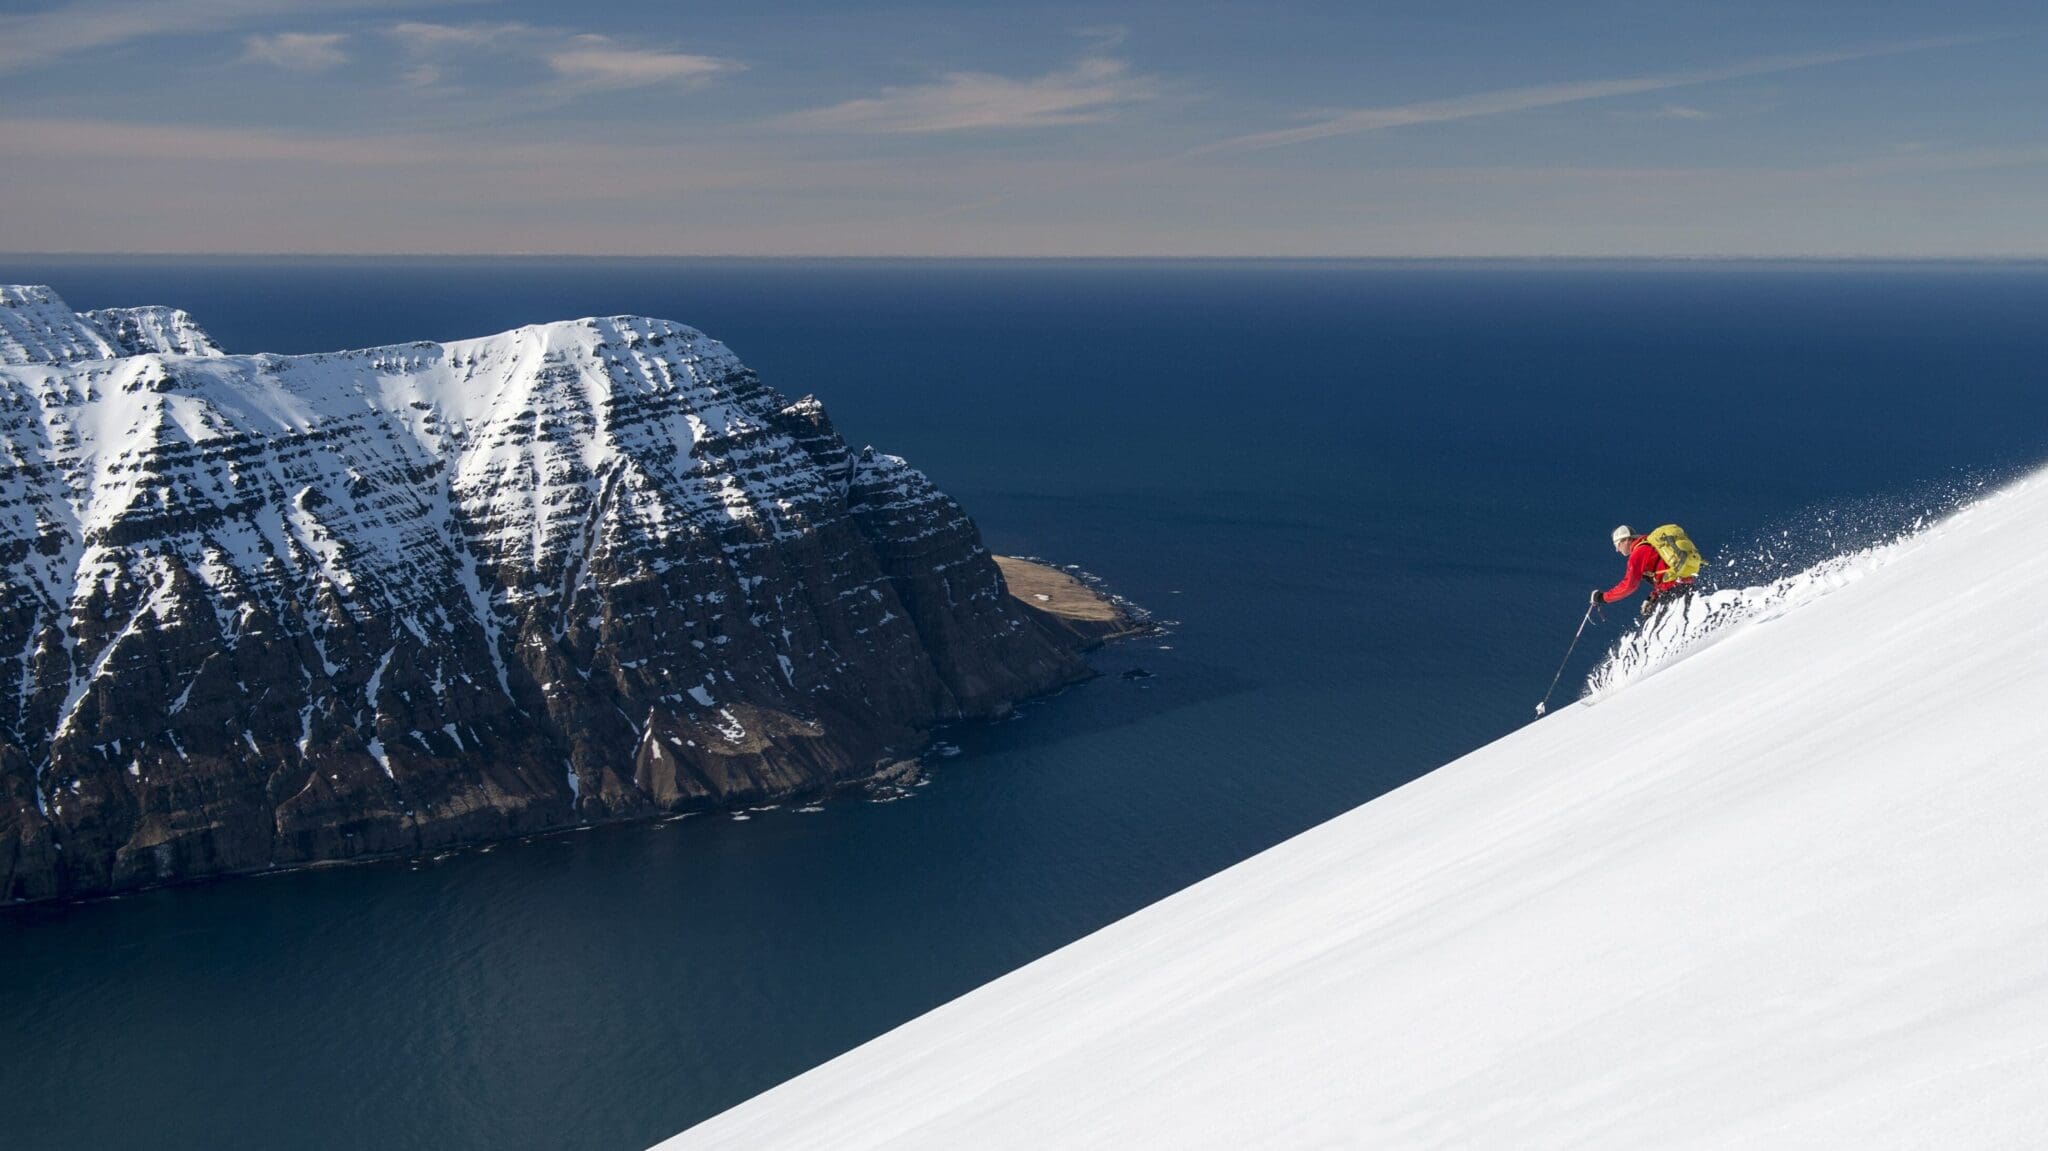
pixel 1373 497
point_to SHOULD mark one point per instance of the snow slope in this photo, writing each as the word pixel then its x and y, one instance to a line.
pixel 1789 891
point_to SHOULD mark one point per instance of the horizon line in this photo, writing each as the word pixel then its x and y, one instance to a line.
pixel 1218 257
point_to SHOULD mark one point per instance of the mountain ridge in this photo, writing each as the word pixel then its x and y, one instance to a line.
pixel 267 610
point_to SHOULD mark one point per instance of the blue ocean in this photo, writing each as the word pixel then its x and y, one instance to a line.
pixel 1371 499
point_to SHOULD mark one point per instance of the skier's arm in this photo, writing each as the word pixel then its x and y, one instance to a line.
pixel 1639 562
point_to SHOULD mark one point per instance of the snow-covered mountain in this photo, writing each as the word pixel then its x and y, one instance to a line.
pixel 263 610
pixel 1784 883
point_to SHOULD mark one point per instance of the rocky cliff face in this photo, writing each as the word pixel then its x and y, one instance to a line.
pixel 258 611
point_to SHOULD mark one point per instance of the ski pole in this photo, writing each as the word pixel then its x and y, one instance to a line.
pixel 1545 705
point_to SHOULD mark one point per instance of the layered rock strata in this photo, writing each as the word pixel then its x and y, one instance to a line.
pixel 262 611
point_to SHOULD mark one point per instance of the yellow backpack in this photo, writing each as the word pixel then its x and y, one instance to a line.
pixel 1681 557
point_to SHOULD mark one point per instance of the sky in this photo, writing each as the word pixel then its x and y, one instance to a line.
pixel 629 127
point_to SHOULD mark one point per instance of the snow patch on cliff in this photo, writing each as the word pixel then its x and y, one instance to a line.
pixel 37 327
pixel 169 331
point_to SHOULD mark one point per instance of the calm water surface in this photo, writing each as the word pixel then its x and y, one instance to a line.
pixel 1374 496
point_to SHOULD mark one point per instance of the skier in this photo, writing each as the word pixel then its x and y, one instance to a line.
pixel 1666 557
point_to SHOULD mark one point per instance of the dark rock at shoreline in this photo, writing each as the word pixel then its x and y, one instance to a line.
pixel 268 611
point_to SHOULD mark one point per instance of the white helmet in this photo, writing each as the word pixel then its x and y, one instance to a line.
pixel 1623 535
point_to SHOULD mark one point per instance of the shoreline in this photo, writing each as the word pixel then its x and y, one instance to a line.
pixel 1057 599
pixel 1064 601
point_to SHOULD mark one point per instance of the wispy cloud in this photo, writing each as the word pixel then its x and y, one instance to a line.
pixel 600 62
pixel 1507 100
pixel 299 51
pixel 207 153
pixel 419 36
pixel 1102 38
pixel 1914 159
pixel 208 165
pixel 203 143
pixel 103 185
pixel 578 63
pixel 190 143
pixel 86 25
pixel 1090 91
pixel 427 46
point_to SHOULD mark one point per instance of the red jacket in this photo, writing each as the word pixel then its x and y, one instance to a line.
pixel 1643 564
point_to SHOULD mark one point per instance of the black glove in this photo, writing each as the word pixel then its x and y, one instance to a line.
pixel 1599 597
